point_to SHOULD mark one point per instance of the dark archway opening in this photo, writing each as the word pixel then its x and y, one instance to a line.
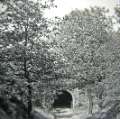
pixel 63 100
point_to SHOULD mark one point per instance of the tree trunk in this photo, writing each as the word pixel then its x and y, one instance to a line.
pixel 90 99
pixel 100 94
pixel 29 101
pixel 29 96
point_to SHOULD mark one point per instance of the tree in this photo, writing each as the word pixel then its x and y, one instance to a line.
pixel 26 55
pixel 112 51
pixel 81 37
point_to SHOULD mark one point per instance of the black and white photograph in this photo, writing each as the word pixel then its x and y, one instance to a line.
pixel 59 59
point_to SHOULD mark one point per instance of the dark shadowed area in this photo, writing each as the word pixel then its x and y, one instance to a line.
pixel 12 109
pixel 63 99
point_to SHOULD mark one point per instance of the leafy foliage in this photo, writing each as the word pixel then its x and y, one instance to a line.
pixel 82 34
pixel 24 55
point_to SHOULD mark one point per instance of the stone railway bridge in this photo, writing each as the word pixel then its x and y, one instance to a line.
pixel 67 94
pixel 66 100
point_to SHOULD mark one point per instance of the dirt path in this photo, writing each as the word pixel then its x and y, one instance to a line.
pixel 62 113
pixel 66 113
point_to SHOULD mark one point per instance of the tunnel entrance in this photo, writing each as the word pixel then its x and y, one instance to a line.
pixel 63 100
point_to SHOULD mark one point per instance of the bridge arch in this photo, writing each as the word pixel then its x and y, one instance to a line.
pixel 64 99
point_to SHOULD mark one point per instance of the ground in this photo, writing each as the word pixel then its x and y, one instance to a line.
pixel 64 113
pixel 68 113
